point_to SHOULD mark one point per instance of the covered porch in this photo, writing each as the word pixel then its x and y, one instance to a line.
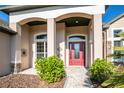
pixel 74 36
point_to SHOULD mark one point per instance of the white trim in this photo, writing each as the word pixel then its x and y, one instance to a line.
pixel 54 12
pixel 86 52
pixel 15 62
pixel 115 38
pixel 34 46
pixel 41 33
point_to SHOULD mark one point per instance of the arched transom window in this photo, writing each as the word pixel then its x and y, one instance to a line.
pixel 42 37
pixel 76 38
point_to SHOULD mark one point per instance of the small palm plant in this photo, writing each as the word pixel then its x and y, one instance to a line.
pixel 121 34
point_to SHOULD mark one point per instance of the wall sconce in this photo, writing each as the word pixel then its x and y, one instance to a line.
pixel 23 52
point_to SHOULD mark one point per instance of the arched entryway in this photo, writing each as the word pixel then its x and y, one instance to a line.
pixel 76 38
pixel 33 40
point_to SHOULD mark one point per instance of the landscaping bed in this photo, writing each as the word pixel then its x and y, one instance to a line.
pixel 27 81
pixel 115 81
pixel 104 74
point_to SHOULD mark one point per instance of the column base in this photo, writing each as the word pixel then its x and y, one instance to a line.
pixel 15 67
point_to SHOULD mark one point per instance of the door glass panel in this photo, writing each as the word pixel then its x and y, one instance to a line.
pixel 76 51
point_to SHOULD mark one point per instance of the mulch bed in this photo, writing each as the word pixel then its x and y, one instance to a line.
pixel 27 81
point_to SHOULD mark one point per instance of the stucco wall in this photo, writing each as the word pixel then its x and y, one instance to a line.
pixel 60 40
pixel 117 24
pixel 25 47
pixel 62 32
pixel 4 54
pixel 28 42
pixel 76 30
pixel 90 45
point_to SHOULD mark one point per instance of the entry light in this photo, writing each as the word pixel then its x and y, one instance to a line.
pixel 76 21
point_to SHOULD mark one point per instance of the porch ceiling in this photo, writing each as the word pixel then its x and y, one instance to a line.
pixel 33 23
pixel 72 21
pixel 75 21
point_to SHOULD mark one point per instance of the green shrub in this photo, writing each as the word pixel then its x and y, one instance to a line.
pixel 50 69
pixel 101 70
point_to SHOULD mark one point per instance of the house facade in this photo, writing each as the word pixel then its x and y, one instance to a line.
pixel 74 33
pixel 114 42
pixel 5 48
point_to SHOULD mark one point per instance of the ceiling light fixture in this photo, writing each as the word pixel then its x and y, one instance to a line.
pixel 76 21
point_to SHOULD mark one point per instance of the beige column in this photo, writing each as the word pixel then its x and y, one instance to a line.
pixel 97 36
pixel 51 37
pixel 16 47
pixel 90 46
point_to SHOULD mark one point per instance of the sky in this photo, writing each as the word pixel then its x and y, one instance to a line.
pixel 111 12
pixel 4 16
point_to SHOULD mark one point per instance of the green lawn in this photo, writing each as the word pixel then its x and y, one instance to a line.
pixel 116 80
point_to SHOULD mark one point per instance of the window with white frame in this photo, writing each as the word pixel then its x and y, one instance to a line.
pixel 41 45
pixel 118 42
pixel 116 32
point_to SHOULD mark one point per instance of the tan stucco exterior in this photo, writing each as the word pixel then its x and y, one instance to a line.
pixel 77 30
pixel 61 41
pixel 97 37
pixel 117 24
pixel 27 42
pixel 62 33
pixel 28 34
pixel 5 58
pixel 61 46
pixel 25 58
pixel 57 33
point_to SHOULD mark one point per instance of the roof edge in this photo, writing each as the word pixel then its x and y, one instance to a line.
pixel 115 19
pixel 6 29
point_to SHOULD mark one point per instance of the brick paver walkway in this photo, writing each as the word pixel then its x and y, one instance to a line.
pixel 77 77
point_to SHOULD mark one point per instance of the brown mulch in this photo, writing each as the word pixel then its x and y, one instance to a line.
pixel 27 81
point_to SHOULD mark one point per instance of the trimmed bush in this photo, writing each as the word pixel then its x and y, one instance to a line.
pixel 50 69
pixel 101 70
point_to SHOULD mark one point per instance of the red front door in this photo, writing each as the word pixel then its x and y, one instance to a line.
pixel 77 53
